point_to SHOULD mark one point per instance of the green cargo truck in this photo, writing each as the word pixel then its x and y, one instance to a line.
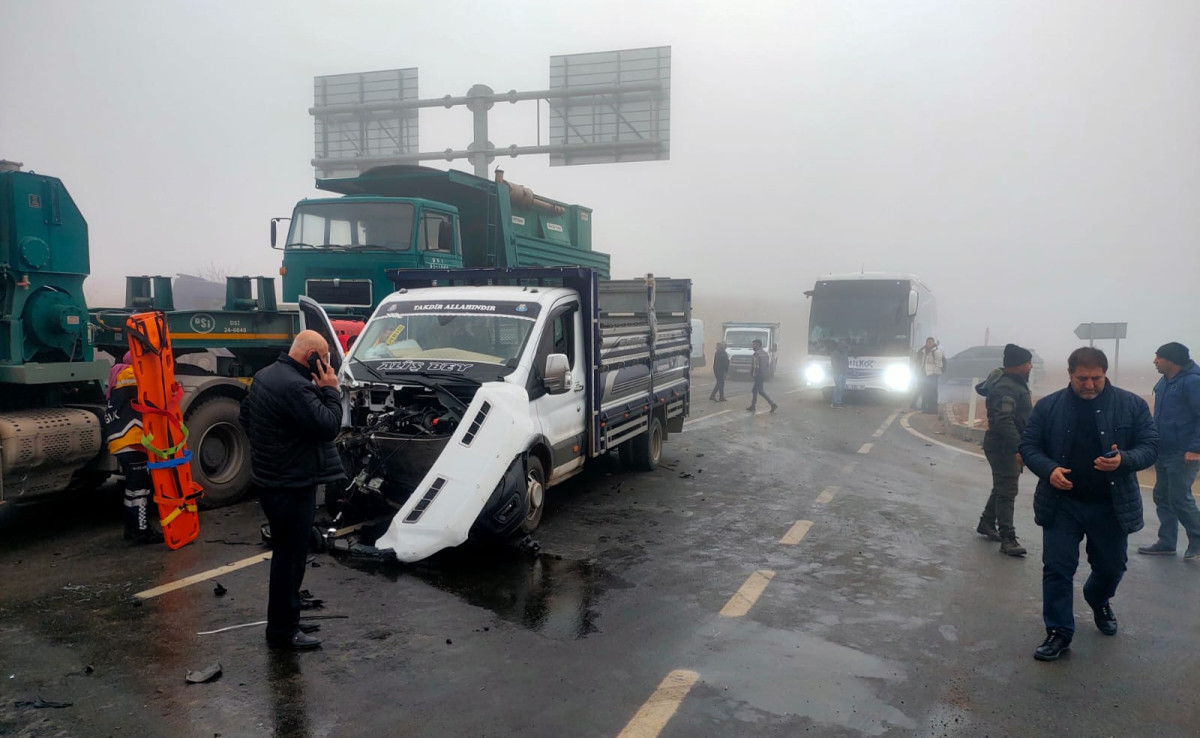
pixel 338 249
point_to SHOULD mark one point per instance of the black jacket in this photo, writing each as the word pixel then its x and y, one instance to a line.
pixel 1009 405
pixel 291 424
pixel 1122 418
pixel 721 362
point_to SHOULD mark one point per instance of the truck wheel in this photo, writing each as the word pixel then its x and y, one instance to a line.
pixel 220 452
pixel 535 493
pixel 647 448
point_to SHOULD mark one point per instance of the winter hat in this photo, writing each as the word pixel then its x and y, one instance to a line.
pixel 1014 355
pixel 1174 352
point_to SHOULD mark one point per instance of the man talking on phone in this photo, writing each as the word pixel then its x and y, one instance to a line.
pixel 1086 444
pixel 291 416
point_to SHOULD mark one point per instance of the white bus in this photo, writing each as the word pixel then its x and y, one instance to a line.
pixel 883 318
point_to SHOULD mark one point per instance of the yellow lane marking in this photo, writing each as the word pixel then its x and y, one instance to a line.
pixel 826 495
pixel 744 598
pixel 883 428
pixel 231 336
pixel 662 705
pixel 796 533
pixel 849 468
pixel 866 448
pixel 203 576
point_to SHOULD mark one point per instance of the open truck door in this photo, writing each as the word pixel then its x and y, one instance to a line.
pixel 313 317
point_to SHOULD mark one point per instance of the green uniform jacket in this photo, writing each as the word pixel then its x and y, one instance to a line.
pixel 1009 405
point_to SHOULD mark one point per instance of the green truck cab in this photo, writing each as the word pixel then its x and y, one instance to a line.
pixel 338 249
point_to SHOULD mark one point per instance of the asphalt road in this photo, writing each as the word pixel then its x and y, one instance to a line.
pixel 814 571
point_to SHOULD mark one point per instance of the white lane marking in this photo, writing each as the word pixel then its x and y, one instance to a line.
pixel 866 448
pixel 662 705
pixel 692 423
pixel 905 425
pixel 849 468
pixel 203 576
pixel 748 594
pixel 827 494
pixel 792 392
pixel 796 533
pixel 231 627
pixel 883 428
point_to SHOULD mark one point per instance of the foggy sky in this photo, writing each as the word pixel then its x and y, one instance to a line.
pixel 1036 163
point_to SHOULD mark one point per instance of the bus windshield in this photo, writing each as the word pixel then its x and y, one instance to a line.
pixel 871 316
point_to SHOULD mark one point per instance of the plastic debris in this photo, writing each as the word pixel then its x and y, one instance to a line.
pixel 208 673
pixel 219 591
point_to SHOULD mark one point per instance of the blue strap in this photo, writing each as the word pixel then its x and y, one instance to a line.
pixel 169 463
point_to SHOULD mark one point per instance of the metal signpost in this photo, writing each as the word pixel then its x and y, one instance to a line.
pixel 1104 331
pixel 605 107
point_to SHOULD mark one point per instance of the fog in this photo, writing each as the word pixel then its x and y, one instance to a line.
pixel 1036 164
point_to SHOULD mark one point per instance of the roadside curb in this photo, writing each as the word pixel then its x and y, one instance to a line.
pixel 961 431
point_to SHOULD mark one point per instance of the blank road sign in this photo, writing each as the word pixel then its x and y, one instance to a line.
pixel 633 124
pixel 1100 331
pixel 345 126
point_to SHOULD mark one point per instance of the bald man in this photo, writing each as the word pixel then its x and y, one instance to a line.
pixel 291 416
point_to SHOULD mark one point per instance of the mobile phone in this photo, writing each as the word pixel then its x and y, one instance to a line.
pixel 314 365
pixel 1111 454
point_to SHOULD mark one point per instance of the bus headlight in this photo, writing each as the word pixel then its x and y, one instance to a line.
pixel 814 374
pixel 897 377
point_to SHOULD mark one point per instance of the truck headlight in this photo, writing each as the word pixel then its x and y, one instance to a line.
pixel 814 374
pixel 897 377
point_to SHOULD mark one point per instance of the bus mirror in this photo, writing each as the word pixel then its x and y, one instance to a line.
pixel 912 303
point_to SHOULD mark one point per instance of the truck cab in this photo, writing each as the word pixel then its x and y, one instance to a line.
pixel 739 339
pixel 337 249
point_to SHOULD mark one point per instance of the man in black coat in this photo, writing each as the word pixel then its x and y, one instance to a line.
pixel 1086 444
pixel 291 416
pixel 1009 405
pixel 720 369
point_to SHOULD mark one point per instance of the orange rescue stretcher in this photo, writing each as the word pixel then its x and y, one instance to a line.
pixel 163 432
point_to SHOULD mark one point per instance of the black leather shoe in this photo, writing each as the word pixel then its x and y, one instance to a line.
pixel 298 642
pixel 1055 645
pixel 309 627
pixel 1106 621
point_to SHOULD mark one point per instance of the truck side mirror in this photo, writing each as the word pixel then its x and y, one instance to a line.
pixel 557 375
pixel 274 230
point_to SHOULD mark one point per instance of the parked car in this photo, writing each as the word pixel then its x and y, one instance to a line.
pixel 978 361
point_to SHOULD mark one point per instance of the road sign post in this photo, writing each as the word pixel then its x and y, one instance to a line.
pixel 1104 331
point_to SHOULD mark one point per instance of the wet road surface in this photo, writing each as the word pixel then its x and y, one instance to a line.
pixel 814 571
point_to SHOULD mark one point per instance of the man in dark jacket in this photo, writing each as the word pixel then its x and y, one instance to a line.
pixel 291 416
pixel 760 364
pixel 720 369
pixel 1177 415
pixel 1009 405
pixel 1086 444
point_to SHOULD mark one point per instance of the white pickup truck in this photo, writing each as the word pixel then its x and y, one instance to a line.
pixel 470 392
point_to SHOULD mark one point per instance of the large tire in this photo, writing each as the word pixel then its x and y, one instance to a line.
pixel 535 493
pixel 647 448
pixel 220 452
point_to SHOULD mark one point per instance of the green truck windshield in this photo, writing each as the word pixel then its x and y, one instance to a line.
pixel 352 225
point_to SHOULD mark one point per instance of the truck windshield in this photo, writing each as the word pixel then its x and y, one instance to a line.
pixel 871 316
pixel 385 226
pixel 489 339
pixel 744 339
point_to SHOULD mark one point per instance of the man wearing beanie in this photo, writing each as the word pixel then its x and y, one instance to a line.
pixel 1009 404
pixel 1177 413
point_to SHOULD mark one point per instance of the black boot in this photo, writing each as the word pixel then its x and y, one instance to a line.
pixel 988 529
pixel 1055 645
pixel 1011 546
